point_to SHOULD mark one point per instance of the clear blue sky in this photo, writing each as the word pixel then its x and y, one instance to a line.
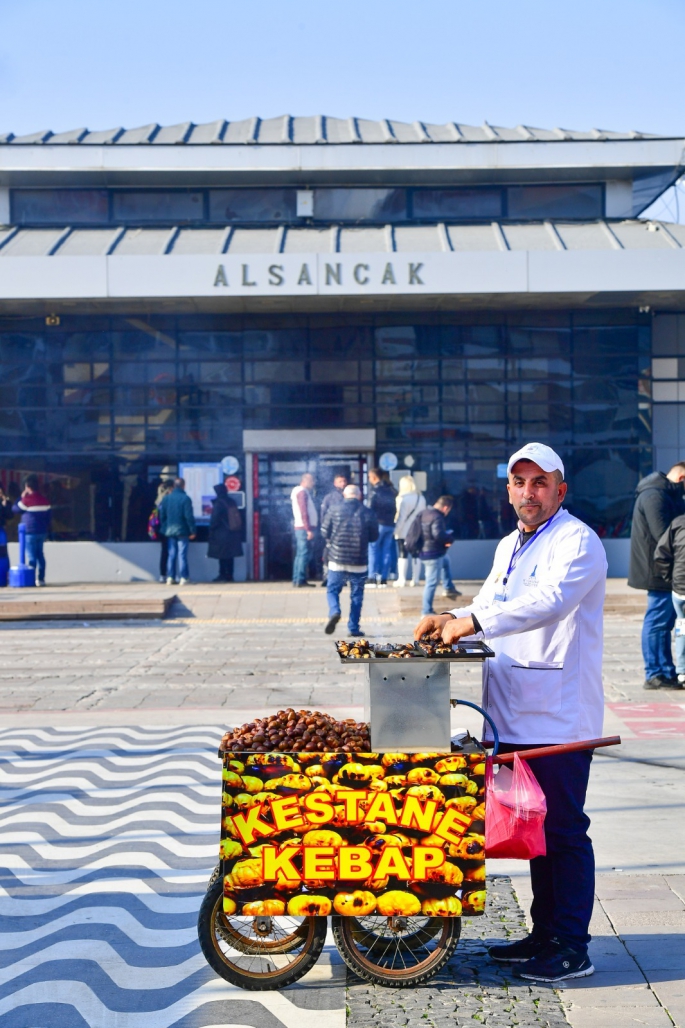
pixel 582 64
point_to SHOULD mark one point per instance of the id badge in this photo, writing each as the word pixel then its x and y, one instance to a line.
pixel 501 596
pixel 680 626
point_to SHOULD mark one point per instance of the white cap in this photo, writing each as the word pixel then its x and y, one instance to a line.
pixel 352 492
pixel 543 456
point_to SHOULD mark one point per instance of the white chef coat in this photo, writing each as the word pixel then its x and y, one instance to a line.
pixel 545 683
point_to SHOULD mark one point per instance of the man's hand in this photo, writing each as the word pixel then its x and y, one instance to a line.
pixel 432 626
pixel 456 629
pixel 310 535
pixel 191 537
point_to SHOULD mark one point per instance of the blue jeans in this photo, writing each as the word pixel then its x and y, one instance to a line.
pixel 656 635
pixel 679 606
pixel 34 552
pixel 432 569
pixel 336 580
pixel 178 546
pixel 556 910
pixel 303 553
pixel 446 575
pixel 380 553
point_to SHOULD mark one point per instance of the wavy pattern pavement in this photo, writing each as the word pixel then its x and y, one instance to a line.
pixel 107 839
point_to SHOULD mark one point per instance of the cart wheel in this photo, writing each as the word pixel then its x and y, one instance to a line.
pixel 214 877
pixel 430 927
pixel 257 952
pixel 396 951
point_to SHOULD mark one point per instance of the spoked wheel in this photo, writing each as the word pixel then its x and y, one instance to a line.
pixel 363 933
pixel 257 952
pixel 396 951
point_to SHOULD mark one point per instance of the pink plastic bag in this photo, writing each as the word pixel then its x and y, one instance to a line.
pixel 515 808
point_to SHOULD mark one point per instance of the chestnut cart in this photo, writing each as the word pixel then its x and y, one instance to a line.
pixel 390 843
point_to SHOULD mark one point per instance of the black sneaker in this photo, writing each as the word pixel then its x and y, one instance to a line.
pixel 331 623
pixel 661 682
pixel 556 964
pixel 520 951
pixel 357 635
pixel 304 585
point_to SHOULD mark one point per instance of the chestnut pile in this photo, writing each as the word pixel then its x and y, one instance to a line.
pixel 294 731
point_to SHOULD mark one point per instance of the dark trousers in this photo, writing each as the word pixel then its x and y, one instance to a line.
pixel 563 881
pixel 226 569
pixel 656 635
pixel 163 556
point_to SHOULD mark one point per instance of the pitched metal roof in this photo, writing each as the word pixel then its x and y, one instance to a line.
pixel 437 238
pixel 314 130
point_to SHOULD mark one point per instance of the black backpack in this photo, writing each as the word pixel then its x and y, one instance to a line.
pixel 413 541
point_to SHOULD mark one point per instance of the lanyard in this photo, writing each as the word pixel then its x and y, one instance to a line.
pixel 518 546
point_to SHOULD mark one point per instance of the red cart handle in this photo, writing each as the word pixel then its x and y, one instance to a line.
pixel 566 747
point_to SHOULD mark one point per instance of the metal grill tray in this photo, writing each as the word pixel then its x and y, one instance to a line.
pixel 470 651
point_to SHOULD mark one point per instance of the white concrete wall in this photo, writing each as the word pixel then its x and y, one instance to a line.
pixel 472 558
pixel 139 562
pixel 119 562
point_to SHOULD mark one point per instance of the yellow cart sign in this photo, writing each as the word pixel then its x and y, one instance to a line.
pixel 354 833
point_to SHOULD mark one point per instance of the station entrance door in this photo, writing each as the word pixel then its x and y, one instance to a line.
pixel 272 475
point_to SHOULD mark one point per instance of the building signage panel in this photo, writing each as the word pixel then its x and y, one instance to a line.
pixel 337 274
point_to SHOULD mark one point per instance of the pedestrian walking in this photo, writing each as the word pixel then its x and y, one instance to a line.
pixel 382 503
pixel 331 499
pixel 659 501
pixel 430 526
pixel 177 523
pixel 225 533
pixel 669 565
pixel 540 610
pixel 5 515
pixel 36 515
pixel 305 521
pixel 348 528
pixel 154 527
pixel 409 502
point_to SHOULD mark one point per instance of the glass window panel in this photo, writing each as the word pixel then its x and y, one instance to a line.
pixel 457 204
pixel 204 344
pixel 230 205
pixel 275 371
pixel 263 345
pixel 333 371
pixel 484 370
pixel 340 341
pixel 360 204
pixel 399 341
pixel 567 201
pixel 453 369
pixel 173 207
pixel 150 344
pixel 389 370
pixel 59 206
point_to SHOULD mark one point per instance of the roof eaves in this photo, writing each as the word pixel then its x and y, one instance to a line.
pixel 525 132
pixel 422 132
pixel 491 132
pixel 355 134
pixel 387 130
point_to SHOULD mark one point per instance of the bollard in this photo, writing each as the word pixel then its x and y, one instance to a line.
pixel 4 559
pixel 22 576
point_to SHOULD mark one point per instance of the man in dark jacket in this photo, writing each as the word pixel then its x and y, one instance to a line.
pixel 177 523
pixel 332 498
pixel 225 533
pixel 659 501
pixel 382 503
pixel 436 538
pixel 36 516
pixel 347 529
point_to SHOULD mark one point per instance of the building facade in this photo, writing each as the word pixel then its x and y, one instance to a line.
pixel 308 292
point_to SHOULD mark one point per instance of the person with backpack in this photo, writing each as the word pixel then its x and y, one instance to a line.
pixel 177 522
pixel 382 503
pixel 36 516
pixel 154 527
pixel 225 533
pixel 348 528
pixel 410 501
pixel 428 538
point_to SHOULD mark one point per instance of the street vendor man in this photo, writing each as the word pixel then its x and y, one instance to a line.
pixel 541 611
